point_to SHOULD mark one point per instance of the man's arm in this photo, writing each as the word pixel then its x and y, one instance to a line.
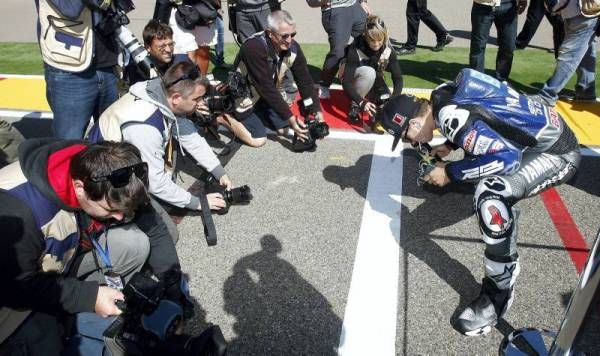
pixel 26 286
pixel 486 152
pixel 150 143
pixel 198 148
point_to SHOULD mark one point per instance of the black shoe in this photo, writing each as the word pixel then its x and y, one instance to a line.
pixel 404 51
pixel 354 114
pixel 482 314
pixel 520 45
pixel 577 99
pixel 443 43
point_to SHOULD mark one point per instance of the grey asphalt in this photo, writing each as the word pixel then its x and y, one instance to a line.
pixel 17 21
pixel 278 279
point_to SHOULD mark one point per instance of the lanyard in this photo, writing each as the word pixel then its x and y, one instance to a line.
pixel 103 253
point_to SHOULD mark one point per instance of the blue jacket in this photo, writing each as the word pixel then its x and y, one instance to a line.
pixel 495 125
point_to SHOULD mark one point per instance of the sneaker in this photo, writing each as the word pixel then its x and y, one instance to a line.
pixel 324 92
pixel 443 43
pixel 482 314
pixel 354 114
pixel 404 51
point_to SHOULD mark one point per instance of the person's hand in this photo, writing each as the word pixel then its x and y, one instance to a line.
pixel 319 116
pixel 521 6
pixel 225 182
pixel 105 301
pixel 437 176
pixel 366 7
pixel 370 108
pixel 440 151
pixel 301 131
pixel 202 108
pixel 215 201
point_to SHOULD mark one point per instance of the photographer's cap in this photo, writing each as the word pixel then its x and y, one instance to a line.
pixel 396 114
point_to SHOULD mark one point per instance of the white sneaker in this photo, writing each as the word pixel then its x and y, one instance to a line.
pixel 324 92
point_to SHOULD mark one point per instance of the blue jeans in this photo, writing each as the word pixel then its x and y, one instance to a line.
pixel 76 97
pixel 576 54
pixel 88 338
pixel 220 47
pixel 504 18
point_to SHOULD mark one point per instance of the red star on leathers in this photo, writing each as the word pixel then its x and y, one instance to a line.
pixel 497 218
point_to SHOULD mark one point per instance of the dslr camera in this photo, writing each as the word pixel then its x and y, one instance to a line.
pixel 237 196
pixel 150 318
pixel 316 130
pixel 114 22
pixel 221 99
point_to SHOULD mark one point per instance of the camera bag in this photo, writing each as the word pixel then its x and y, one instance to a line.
pixel 190 15
pixel 65 44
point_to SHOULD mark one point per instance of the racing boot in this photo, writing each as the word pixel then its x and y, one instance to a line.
pixel 483 313
pixel 354 114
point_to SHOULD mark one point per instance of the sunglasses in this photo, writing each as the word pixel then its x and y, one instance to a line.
pixel 121 177
pixel 192 74
pixel 285 36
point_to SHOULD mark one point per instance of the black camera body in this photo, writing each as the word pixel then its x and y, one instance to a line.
pixel 241 195
pixel 316 130
pixel 221 100
pixel 149 320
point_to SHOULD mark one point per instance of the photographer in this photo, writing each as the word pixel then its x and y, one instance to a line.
pixel 514 148
pixel 366 60
pixel 151 116
pixel 79 63
pixel 263 59
pixel 74 218
pixel 158 41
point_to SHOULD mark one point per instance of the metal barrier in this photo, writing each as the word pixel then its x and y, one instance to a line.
pixel 531 341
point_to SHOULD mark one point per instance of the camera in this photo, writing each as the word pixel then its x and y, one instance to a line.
pixel 149 320
pixel 114 23
pixel 316 130
pixel 237 196
pixel 221 99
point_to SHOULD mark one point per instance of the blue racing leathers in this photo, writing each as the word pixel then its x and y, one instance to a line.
pixel 515 147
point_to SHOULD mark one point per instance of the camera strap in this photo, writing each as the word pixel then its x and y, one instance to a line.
pixel 210 232
pixel 112 279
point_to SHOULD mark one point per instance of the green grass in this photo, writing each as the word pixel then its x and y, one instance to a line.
pixel 425 69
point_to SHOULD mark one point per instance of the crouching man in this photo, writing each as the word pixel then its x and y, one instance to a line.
pixel 514 148
pixel 75 219
pixel 151 116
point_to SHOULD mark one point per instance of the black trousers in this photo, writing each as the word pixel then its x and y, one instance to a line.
pixel 416 11
pixel 535 13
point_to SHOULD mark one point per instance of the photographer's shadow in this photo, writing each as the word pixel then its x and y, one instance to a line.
pixel 419 228
pixel 278 312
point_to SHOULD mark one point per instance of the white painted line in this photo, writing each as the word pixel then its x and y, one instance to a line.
pixel 369 326
pixel 21 76
pixel 19 114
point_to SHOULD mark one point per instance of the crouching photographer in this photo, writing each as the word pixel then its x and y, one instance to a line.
pixel 156 115
pixel 263 60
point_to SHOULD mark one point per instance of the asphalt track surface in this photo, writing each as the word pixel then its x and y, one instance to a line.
pixel 339 247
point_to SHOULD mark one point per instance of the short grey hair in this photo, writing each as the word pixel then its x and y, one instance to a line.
pixel 276 18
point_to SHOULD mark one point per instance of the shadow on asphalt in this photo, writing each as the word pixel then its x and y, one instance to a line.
pixel 277 311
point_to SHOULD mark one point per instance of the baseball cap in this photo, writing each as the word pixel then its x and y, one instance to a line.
pixel 396 114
